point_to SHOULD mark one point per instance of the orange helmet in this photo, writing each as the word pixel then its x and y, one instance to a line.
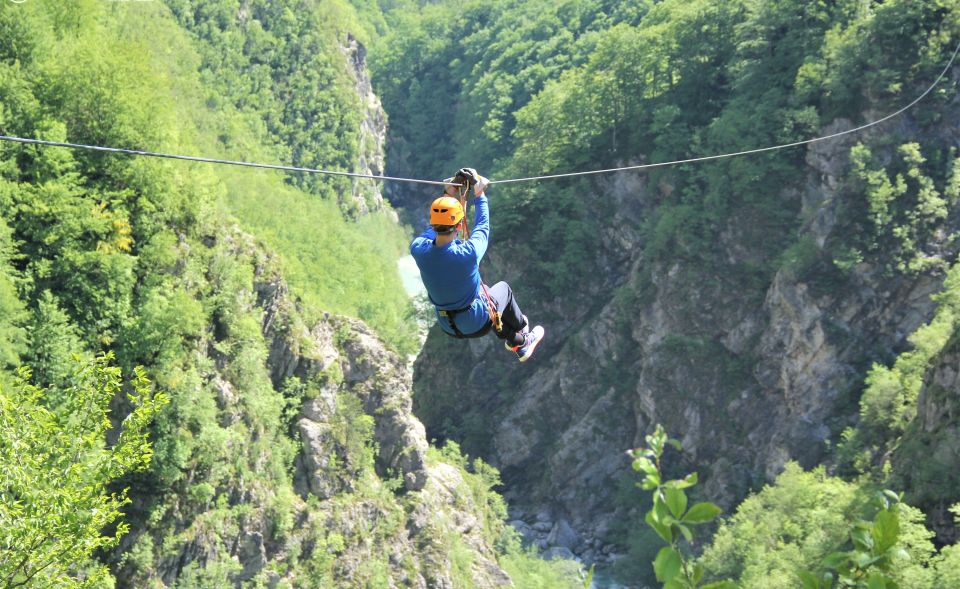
pixel 445 210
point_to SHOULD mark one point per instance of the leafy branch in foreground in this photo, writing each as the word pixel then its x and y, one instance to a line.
pixel 55 466
pixel 670 516
pixel 875 549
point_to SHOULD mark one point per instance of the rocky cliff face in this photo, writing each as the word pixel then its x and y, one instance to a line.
pixel 381 381
pixel 358 498
pixel 934 438
pixel 748 376
pixel 369 372
pixel 372 130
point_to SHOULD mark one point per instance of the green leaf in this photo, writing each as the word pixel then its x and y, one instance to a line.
pixel 644 464
pixel 661 510
pixel 835 560
pixel 676 444
pixel 650 482
pixel 662 530
pixel 810 580
pixel 886 530
pixel 656 440
pixel 588 581
pixel 864 559
pixel 877 580
pixel 698 572
pixel 667 564
pixel 701 513
pixel 676 500
pixel 862 539
pixel 687 534
pixel 721 585
pixel 684 483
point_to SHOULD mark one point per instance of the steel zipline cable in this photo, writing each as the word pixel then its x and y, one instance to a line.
pixel 139 152
pixel 191 158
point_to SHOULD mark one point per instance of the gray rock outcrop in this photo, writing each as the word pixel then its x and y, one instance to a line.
pixel 372 131
pixel 378 377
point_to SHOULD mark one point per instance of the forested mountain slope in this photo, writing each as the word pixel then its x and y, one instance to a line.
pixel 288 455
pixel 765 309
pixel 791 317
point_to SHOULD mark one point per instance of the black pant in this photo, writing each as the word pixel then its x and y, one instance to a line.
pixel 510 315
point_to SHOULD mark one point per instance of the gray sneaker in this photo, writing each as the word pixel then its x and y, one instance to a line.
pixel 534 337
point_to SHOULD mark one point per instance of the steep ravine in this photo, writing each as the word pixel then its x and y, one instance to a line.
pixel 748 376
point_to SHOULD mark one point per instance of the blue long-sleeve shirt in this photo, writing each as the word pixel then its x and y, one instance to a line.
pixel 451 273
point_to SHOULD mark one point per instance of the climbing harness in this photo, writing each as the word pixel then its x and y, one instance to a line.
pixel 139 152
pixel 450 315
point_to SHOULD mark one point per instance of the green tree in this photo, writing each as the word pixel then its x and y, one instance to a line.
pixel 809 521
pixel 53 341
pixel 11 308
pixel 671 517
pixel 948 561
pixel 875 551
pixel 55 505
pixel 888 407
pixel 905 208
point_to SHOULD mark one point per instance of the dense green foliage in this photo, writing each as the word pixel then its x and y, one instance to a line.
pixel 315 241
pixel 278 70
pixel 140 257
pixel 281 66
pixel 903 213
pixel 874 554
pixel 890 445
pixel 809 528
pixel 526 569
pixel 493 57
pixel 55 506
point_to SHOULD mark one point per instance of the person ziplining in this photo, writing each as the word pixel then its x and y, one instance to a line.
pixel 450 270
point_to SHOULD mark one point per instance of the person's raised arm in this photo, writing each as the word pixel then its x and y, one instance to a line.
pixel 481 229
